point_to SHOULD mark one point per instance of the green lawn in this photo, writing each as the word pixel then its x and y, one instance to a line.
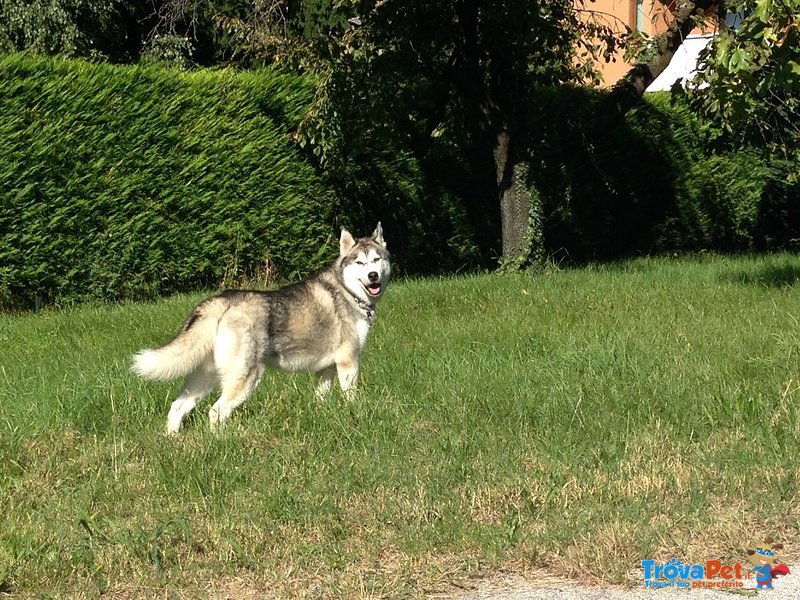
pixel 576 421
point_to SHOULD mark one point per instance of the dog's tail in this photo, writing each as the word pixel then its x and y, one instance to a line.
pixel 193 344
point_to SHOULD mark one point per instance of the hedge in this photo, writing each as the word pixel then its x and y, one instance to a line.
pixel 652 184
pixel 131 182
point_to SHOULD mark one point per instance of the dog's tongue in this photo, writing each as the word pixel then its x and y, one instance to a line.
pixel 374 288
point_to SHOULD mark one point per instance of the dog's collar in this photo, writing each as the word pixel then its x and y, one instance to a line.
pixel 368 309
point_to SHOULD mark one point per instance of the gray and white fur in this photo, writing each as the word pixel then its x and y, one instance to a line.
pixel 319 325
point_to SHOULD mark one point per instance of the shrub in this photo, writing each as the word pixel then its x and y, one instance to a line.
pixel 129 182
pixel 650 185
pixel 133 182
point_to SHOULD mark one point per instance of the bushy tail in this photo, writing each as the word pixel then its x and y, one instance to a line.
pixel 193 344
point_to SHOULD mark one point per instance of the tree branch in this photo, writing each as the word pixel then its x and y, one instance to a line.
pixel 627 92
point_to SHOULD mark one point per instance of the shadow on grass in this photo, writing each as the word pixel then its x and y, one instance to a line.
pixel 767 276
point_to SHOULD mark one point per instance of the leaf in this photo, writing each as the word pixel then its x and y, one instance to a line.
pixel 763 10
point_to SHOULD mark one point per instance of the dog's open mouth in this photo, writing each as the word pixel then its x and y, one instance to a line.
pixel 373 289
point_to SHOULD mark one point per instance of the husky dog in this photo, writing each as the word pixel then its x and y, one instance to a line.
pixel 318 325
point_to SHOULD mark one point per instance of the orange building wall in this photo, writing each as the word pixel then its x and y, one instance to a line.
pixel 619 14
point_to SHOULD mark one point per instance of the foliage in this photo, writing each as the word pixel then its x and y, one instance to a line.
pixel 651 184
pixel 133 182
pixel 182 32
pixel 442 82
pixel 753 76
pixel 95 29
pixel 408 68
pixel 173 50
pixel 123 182
pixel 255 32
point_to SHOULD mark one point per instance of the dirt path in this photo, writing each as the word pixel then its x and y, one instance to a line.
pixel 517 588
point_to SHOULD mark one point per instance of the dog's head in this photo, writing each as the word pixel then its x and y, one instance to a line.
pixel 764 554
pixel 365 265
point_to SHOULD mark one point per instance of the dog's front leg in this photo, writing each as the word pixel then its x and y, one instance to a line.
pixel 324 382
pixel 347 370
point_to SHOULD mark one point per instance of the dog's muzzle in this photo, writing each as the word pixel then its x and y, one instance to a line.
pixel 374 287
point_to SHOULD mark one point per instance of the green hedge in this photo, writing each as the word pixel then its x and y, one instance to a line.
pixel 129 182
pixel 132 182
pixel 652 184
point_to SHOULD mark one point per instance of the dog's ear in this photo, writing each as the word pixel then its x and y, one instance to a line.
pixel 377 235
pixel 346 242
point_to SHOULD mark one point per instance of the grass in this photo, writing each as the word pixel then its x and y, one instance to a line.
pixel 573 423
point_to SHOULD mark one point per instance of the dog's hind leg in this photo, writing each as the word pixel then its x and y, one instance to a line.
pixel 234 391
pixel 199 384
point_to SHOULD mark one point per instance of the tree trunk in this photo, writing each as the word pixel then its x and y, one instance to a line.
pixel 512 227
pixel 515 207
pixel 515 204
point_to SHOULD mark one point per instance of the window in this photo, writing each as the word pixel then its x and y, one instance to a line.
pixel 641 15
pixel 734 20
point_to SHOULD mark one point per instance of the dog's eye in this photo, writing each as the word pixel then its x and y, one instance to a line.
pixel 360 263
pixel 376 259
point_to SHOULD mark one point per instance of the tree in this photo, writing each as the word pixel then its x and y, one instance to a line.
pixel 751 77
pixel 253 32
pixel 408 76
pixel 465 70
pixel 97 29
pixel 748 80
pixel 421 69
pixel 462 69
